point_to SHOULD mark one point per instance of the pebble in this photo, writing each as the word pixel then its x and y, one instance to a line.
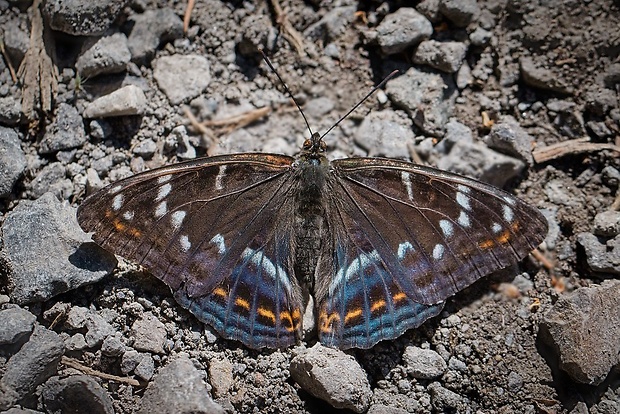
pixel 193 69
pixel 509 137
pixel 16 324
pixel 178 388
pixel 97 328
pixel 52 179
pixel 583 328
pixel 428 98
pixel 332 25
pixel 112 345
pixel 607 223
pixel 220 376
pixel 128 100
pixel 10 111
pixel 149 334
pixel 12 160
pixel 443 399
pixel 423 363
pixel 47 252
pixel 105 55
pixel 16 41
pixel 333 376
pixel 460 12
pixel 602 256
pixel 65 132
pixel 82 18
pixel 404 28
pixel 385 134
pixel 444 56
pixel 150 29
pixel 145 368
pixel 537 76
pixel 74 393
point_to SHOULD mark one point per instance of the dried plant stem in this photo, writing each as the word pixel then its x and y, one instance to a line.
pixel 75 364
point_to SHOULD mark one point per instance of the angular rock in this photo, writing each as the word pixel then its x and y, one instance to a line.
pixel 583 328
pixel 385 134
pixel 220 376
pixel 145 368
pixel 65 132
pixel 607 223
pixel 460 12
pixel 46 253
pixel 423 363
pixel 444 56
pixel 332 25
pixel 542 78
pixel 10 111
pixel 401 29
pixel 603 256
pixel 442 398
pixel 112 346
pixel 52 179
pixel 178 388
pixel 149 334
pixel 509 137
pixel 476 160
pixel 15 325
pixel 193 69
pixel 109 54
pixel 150 29
pixel 73 394
pixel 82 18
pixel 128 100
pixel 12 160
pixel 333 376
pixel 95 326
pixel 35 362
pixel 428 98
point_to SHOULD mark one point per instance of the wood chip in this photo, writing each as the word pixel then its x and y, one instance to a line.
pixel 572 147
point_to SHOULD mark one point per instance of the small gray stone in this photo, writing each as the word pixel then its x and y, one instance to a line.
pixel 428 98
pixel 602 256
pixel 193 70
pixel 75 342
pixel 15 325
pixel 333 376
pixel 112 346
pixel 476 160
pixel 332 25
pixel 12 160
pixel 539 77
pixel 423 363
pixel 82 18
pixel 455 132
pixel 146 368
pixel 52 179
pixel 509 137
pixel 384 133
pixel 150 29
pixel 456 364
pixel 515 382
pixel 444 56
pixel 443 399
pixel 109 54
pixel 10 111
pixel 97 328
pixel 178 388
pixel 149 334
pixel 384 409
pixel 480 37
pixel 430 10
pixel 73 394
pixel 220 376
pixel 401 29
pixel 130 360
pixel 47 253
pixel 460 12
pixel 34 363
pixel 145 149
pixel 65 132
pixel 583 327
pixel 128 100
pixel 607 223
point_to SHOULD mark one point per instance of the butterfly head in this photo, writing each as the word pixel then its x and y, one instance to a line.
pixel 314 146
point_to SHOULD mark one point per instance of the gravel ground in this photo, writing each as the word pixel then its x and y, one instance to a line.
pixel 523 95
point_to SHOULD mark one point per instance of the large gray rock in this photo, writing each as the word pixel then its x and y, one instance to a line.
pixel 82 18
pixel 192 69
pixel 74 394
pixel 65 132
pixel 12 160
pixel 583 328
pixel 423 363
pixel 109 54
pixel 333 376
pixel 15 324
pixel 46 253
pixel 149 30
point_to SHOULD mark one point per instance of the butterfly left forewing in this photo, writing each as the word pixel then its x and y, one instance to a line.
pixel 212 230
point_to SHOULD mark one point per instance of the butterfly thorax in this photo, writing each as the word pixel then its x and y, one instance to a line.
pixel 311 172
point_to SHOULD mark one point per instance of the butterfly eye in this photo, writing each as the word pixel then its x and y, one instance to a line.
pixel 307 144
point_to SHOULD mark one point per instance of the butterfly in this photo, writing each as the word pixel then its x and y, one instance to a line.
pixel 243 240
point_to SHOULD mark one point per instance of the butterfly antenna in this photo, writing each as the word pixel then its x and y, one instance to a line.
pixel 268 62
pixel 383 82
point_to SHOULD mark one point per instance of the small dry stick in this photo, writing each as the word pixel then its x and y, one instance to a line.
pixel 546 263
pixel 188 14
pixel 575 146
pixel 290 34
pixel 75 364
pixel 7 60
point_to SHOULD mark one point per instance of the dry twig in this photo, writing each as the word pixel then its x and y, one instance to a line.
pixel 575 146
pixel 75 364
pixel 290 34
pixel 7 59
pixel 188 15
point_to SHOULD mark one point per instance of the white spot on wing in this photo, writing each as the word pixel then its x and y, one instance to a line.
pixel 185 243
pixel 116 189
pixel 164 178
pixel 463 200
pixel 496 228
pixel 406 179
pixel 463 188
pixel 508 214
pixel 117 202
pixel 161 210
pixel 128 215
pixel 357 266
pixel 403 248
pixel 218 240
pixel 163 192
pixel 220 176
pixel 463 219
pixel 177 218
pixel 258 258
pixel 509 200
pixel 438 251
pixel 446 227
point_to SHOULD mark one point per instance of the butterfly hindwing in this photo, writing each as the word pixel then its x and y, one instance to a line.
pixel 212 230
